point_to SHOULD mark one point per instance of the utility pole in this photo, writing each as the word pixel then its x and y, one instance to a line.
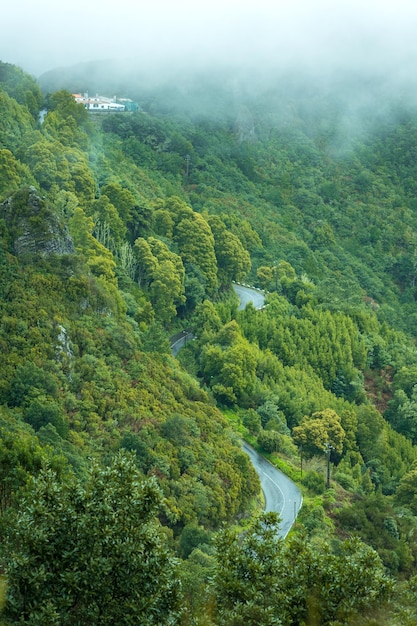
pixel 187 164
pixel 328 448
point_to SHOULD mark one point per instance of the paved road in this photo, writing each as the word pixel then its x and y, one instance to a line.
pixel 179 340
pixel 281 494
pixel 248 294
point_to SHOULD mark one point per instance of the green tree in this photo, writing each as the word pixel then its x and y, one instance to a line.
pixel 90 553
pixel 269 440
pixel 109 228
pixel 13 174
pixel 64 104
pixel 167 290
pixel 82 181
pixel 233 259
pixel 162 272
pixel 261 581
pixel 252 421
pixel 248 575
pixel 48 164
pixel 98 257
pixel 196 245
pixel 229 366
pixel 30 381
pixel 265 275
pixel 319 432
pixel 146 262
pixel 42 411
pixel 21 86
pixel 121 198
pixel 407 490
pixel 15 122
pixel 206 320
pixel 21 457
pixel 272 417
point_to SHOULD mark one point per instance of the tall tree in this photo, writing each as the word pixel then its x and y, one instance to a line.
pixel 196 245
pixel 233 259
pixel 320 433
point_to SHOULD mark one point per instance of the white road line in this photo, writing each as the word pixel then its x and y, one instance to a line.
pixel 278 487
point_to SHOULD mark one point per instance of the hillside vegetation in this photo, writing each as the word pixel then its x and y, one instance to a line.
pixel 123 479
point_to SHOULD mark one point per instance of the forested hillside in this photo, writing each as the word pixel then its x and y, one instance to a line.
pixel 124 491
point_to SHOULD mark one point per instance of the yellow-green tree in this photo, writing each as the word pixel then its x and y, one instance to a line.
pixel 229 366
pixel 321 432
pixel 233 260
pixel 162 272
pixel 196 245
pixel 109 227
pixel 13 174
pixel 98 257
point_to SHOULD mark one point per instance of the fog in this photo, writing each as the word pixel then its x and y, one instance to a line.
pixel 371 35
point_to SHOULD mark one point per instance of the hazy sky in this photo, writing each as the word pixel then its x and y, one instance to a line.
pixel 39 35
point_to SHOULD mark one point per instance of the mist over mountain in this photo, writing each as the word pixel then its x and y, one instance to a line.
pixel 352 100
pixel 373 38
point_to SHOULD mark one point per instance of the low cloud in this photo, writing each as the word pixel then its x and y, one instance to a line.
pixel 371 36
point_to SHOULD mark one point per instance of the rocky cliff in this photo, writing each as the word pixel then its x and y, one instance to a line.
pixel 33 226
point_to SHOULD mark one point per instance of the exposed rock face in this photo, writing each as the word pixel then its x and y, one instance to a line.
pixel 245 126
pixel 33 226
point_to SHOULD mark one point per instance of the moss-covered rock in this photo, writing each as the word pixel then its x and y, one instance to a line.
pixel 34 228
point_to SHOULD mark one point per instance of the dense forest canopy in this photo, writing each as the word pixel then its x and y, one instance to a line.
pixel 118 231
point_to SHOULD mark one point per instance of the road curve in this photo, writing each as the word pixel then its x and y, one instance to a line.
pixel 180 340
pixel 245 294
pixel 249 294
pixel 281 494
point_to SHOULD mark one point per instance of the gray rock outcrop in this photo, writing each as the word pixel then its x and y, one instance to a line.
pixel 35 229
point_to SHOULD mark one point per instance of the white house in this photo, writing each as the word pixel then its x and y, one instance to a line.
pixel 98 103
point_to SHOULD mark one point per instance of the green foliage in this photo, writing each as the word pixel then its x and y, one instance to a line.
pixel 42 411
pixel 21 87
pixel 229 365
pixel 15 122
pixel 259 580
pixel 314 482
pixel 30 381
pixel 13 174
pixel 233 259
pixel 407 490
pixel 320 433
pixel 21 458
pixel 196 245
pixel 252 421
pixel 191 538
pixel 269 441
pixel 375 521
pixel 90 553
pixel 98 257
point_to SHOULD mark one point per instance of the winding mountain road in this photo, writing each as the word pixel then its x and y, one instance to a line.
pixel 281 494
